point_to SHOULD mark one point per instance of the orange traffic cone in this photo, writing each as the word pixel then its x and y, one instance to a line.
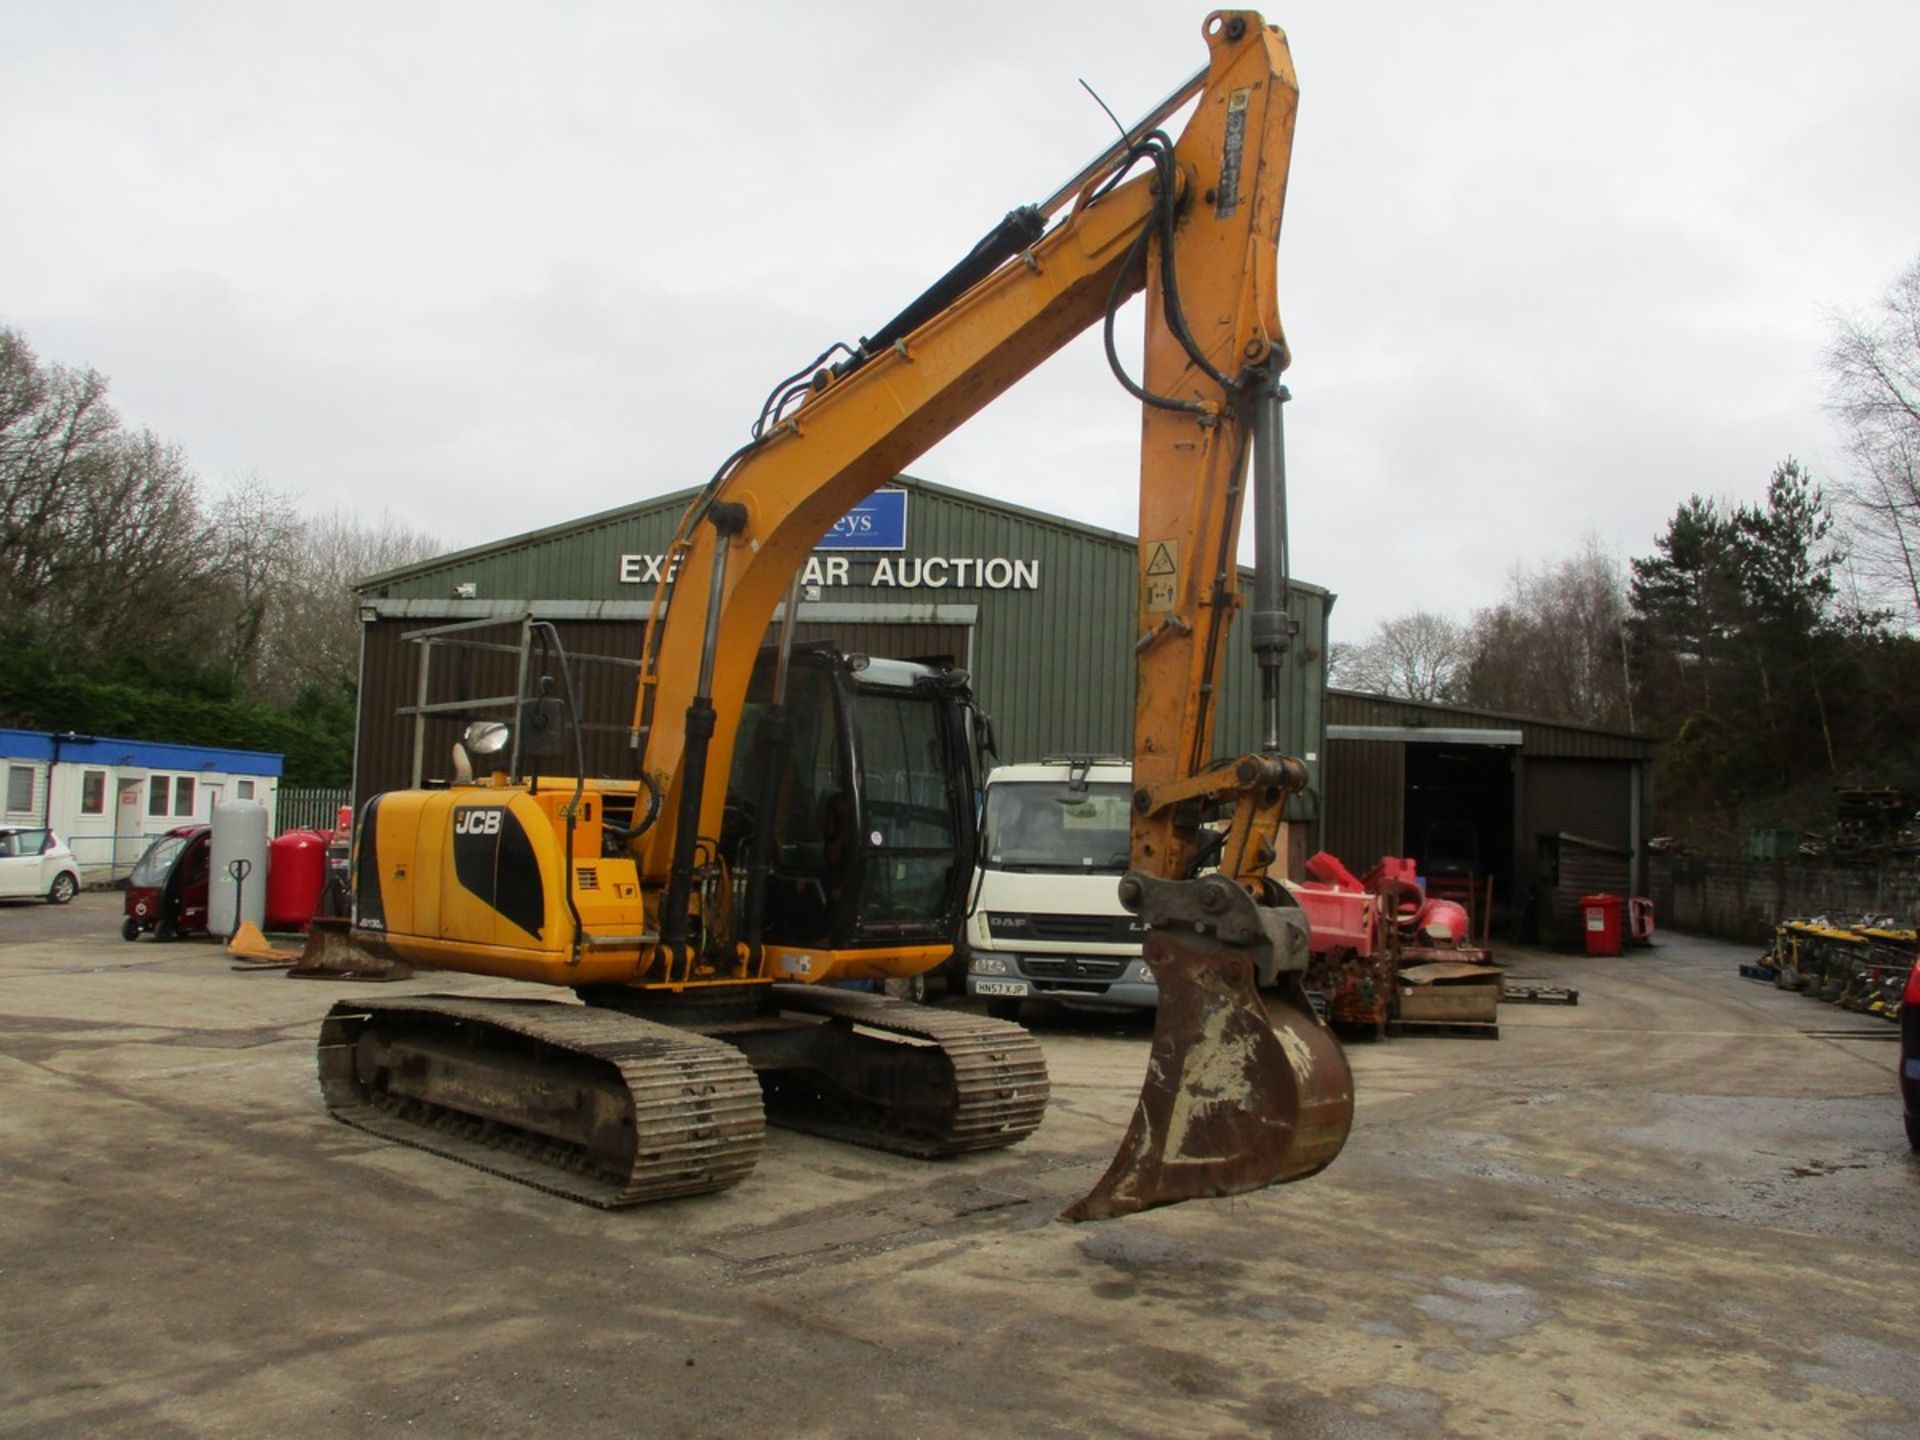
pixel 248 943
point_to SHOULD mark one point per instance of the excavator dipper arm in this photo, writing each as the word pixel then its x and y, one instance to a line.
pixel 1229 1103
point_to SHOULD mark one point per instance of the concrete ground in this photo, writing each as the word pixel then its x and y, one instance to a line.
pixel 1685 1205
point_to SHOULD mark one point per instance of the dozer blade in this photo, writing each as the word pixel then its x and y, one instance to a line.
pixel 333 952
pixel 1230 1104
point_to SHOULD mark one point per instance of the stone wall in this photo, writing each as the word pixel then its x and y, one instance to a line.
pixel 1745 899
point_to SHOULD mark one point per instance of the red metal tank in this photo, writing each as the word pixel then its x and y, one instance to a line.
pixel 296 874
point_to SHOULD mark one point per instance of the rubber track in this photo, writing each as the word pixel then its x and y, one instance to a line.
pixel 697 1107
pixel 999 1070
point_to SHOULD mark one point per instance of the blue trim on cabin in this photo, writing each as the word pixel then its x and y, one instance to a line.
pixel 151 754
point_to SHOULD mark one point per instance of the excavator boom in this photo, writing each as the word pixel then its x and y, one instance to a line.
pixel 1230 1102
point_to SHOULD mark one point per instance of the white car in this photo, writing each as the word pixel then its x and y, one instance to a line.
pixel 37 863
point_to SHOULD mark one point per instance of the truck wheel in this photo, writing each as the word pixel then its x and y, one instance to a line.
pixel 129 929
pixel 63 889
pixel 1003 1009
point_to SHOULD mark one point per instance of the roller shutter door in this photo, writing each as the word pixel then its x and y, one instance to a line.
pixel 1363 815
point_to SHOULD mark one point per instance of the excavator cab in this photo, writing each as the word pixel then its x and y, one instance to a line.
pixel 860 790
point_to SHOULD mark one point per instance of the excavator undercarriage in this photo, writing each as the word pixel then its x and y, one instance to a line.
pixel 616 1109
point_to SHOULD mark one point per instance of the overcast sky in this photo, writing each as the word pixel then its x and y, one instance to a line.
pixel 485 267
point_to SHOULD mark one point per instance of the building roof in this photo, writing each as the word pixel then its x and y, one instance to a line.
pixel 149 754
pixel 1540 736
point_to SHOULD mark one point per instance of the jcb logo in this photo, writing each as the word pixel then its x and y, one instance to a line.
pixel 477 822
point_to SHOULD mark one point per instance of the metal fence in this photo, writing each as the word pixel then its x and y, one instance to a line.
pixel 310 809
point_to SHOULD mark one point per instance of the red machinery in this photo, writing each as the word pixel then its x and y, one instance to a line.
pixel 1362 932
pixel 167 891
pixel 1352 939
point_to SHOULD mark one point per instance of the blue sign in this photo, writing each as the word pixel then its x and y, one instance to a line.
pixel 878 522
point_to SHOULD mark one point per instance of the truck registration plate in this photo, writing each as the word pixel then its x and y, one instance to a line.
pixel 999 987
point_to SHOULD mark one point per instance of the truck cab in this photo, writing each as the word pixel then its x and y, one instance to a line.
pixel 1045 920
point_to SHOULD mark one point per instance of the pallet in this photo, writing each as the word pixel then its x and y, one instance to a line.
pixel 1529 992
pixel 1452 1029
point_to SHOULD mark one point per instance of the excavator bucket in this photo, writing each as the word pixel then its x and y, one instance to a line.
pixel 1232 1102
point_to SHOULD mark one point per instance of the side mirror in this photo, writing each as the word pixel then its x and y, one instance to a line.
pixel 543 728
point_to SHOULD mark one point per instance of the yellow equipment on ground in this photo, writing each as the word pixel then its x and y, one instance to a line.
pixel 799 817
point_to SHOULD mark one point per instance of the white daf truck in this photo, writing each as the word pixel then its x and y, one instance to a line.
pixel 1045 920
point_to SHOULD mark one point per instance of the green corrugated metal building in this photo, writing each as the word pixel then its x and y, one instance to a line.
pixel 1040 610
pixel 1545 810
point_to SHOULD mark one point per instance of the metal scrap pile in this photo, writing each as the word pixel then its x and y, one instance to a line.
pixel 1871 826
pixel 1859 964
pixel 1365 931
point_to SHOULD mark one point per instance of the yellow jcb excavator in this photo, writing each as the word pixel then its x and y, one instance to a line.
pixel 798 817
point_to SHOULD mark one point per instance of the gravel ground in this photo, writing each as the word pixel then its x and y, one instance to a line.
pixel 1684 1205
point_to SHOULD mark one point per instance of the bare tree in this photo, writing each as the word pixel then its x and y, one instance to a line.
pixel 56 430
pixel 312 635
pixel 1874 369
pixel 104 547
pixel 1553 646
pixel 1416 657
pixel 136 566
pixel 261 539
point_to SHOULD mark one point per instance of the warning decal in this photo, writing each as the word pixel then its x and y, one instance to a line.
pixel 1227 197
pixel 1162 574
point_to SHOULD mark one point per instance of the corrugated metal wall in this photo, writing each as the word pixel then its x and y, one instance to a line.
pixel 1542 738
pixel 390 676
pixel 1577 782
pixel 894 642
pixel 1582 872
pixel 1053 664
pixel 1579 797
pixel 1365 800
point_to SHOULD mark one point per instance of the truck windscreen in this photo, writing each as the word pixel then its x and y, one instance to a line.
pixel 1035 826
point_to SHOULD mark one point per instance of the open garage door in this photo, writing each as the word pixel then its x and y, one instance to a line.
pixel 1459 823
pixel 1443 796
